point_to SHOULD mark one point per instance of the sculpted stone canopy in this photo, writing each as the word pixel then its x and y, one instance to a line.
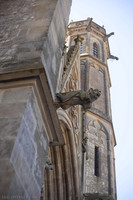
pixel 79 97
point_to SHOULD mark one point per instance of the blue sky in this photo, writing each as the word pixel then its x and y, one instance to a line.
pixel 117 16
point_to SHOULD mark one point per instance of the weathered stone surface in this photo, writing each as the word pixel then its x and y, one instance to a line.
pixel 96 79
pixel 97 136
pixel 11 110
pixel 23 29
pixel 9 125
pixel 53 46
pixel 26 29
pixel 16 189
pixel 23 144
pixel 14 96
pixel 6 174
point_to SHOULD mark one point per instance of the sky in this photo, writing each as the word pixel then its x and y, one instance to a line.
pixel 117 17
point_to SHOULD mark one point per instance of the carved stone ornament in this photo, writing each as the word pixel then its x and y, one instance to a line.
pixel 48 164
pixel 84 144
pixel 107 36
pixel 81 97
pixel 113 57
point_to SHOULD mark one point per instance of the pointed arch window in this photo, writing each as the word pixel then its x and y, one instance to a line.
pixel 96 161
pixel 95 50
pixel 81 49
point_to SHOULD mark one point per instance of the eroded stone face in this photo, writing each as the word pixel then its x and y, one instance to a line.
pixel 23 143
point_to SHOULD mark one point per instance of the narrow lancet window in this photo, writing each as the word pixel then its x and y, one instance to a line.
pixel 81 49
pixel 95 50
pixel 96 161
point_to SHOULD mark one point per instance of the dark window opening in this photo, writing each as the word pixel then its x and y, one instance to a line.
pixel 96 167
pixel 95 50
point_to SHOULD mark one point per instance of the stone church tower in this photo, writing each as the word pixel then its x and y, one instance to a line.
pixel 98 169
pixel 51 148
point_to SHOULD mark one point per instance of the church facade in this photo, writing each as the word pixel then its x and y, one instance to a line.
pixel 57 138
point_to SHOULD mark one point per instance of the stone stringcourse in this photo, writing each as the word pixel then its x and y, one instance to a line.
pixel 97 196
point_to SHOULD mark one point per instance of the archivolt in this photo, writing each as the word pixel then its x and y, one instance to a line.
pixel 62 183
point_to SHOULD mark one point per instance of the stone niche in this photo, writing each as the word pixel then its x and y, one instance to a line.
pixel 23 142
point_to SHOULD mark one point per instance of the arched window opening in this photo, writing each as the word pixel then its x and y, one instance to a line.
pixel 96 161
pixel 95 50
pixel 81 49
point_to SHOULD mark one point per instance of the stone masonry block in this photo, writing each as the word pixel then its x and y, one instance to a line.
pixel 15 96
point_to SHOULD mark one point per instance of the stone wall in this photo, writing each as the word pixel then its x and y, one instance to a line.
pixel 32 33
pixel 53 47
pixel 24 144
pixel 97 137
pixel 97 80
pixel 99 134
pixel 23 30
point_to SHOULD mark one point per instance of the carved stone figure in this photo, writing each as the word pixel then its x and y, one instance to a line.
pixel 84 144
pixel 85 148
pixel 113 57
pixel 81 97
pixel 48 163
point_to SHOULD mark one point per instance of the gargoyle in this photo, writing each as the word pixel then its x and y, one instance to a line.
pixel 81 97
pixel 113 57
pixel 107 36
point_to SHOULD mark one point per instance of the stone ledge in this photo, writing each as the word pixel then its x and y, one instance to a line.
pixel 37 79
pixel 97 196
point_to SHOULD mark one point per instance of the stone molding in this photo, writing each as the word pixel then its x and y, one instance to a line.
pixel 37 80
